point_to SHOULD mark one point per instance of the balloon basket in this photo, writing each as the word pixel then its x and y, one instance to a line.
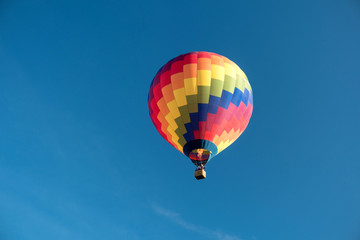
pixel 200 174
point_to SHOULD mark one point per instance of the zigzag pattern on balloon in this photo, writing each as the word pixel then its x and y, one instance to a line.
pixel 200 95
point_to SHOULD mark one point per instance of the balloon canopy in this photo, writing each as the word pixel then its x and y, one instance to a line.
pixel 200 102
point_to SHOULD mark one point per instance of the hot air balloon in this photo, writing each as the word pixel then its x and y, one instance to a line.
pixel 200 102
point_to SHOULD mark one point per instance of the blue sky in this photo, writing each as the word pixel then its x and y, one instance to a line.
pixel 80 158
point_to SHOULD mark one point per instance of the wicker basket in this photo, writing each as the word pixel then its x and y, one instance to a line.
pixel 200 174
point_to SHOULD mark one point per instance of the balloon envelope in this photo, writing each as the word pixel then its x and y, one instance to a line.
pixel 200 102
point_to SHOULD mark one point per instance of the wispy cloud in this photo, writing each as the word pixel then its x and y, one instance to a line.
pixel 177 219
